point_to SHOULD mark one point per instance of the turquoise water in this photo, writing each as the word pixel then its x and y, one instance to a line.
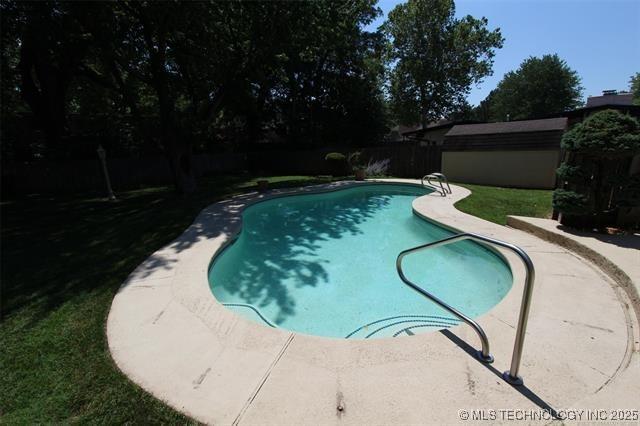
pixel 324 264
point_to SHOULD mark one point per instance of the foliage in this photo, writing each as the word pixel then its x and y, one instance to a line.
pixel 607 134
pixel 634 83
pixel 335 156
pixel 338 165
pixel 596 175
pixel 191 74
pixel 378 168
pixel 570 202
pixel 569 172
pixel 436 57
pixel 538 88
pixel 355 161
pixel 494 203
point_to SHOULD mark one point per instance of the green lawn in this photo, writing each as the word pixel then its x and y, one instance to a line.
pixel 494 203
pixel 64 258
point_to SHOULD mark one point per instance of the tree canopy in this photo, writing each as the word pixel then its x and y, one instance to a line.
pixel 538 88
pixel 634 82
pixel 189 73
pixel 174 77
pixel 436 58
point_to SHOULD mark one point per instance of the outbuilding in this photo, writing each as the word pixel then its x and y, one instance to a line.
pixel 522 154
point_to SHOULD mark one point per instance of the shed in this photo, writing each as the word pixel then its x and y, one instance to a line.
pixel 521 154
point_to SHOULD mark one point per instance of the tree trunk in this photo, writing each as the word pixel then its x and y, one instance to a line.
pixel 43 89
pixel 177 146
pixel 172 138
pixel 181 162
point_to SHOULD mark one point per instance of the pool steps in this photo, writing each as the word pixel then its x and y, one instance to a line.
pixel 427 320
pixel 254 309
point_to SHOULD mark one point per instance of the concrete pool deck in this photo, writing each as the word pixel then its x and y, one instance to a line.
pixel 168 334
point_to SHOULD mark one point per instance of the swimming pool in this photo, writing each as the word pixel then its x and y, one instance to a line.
pixel 324 264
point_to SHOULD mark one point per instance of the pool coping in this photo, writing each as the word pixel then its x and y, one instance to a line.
pixel 584 244
pixel 169 335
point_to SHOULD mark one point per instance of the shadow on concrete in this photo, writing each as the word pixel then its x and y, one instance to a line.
pixel 522 389
pixel 621 240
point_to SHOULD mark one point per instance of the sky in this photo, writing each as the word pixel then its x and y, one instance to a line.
pixel 600 39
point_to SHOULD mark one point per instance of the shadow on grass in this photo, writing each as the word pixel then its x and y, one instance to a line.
pixel 57 247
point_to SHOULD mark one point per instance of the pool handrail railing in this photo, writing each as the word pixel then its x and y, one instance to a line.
pixel 440 177
pixel 484 355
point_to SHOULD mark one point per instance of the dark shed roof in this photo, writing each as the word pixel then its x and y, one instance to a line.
pixel 437 126
pixel 545 125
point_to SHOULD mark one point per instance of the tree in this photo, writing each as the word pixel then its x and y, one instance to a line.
pixel 538 88
pixel 596 175
pixel 304 70
pixel 436 58
pixel 634 83
pixel 53 43
pixel 330 88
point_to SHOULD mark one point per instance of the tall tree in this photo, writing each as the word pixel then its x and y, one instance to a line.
pixel 538 88
pixel 437 57
pixel 307 70
pixel 53 43
pixel 634 84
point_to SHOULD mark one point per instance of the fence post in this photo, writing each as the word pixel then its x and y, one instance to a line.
pixel 102 154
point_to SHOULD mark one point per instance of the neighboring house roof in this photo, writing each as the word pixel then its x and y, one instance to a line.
pixel 610 99
pixel 545 125
pixel 402 129
pixel 632 109
pixel 396 132
pixel 436 126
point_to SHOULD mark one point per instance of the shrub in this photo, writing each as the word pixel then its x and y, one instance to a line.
pixel 355 161
pixel 570 202
pixel 606 134
pixel 337 164
pixel 568 172
pixel 378 168
pixel 596 175
pixel 335 156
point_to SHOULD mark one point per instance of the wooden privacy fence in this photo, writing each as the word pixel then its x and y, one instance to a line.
pixel 405 160
pixel 86 175
pixel 408 160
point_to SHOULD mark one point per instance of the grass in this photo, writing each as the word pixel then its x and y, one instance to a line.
pixel 494 203
pixel 64 258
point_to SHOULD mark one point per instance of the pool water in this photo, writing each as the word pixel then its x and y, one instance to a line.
pixel 324 264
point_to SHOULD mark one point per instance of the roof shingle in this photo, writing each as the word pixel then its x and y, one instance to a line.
pixel 545 125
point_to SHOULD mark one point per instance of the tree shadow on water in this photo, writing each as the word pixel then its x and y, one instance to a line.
pixel 280 245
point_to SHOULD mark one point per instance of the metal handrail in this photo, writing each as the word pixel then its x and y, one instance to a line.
pixel 440 178
pixel 510 376
pixel 430 185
